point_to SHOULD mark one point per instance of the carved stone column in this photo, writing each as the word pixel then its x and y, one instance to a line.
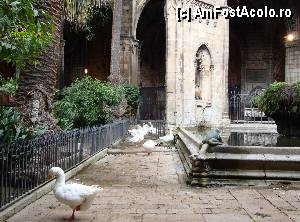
pixel 129 64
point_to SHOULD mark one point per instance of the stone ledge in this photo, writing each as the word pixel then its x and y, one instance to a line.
pixel 192 143
pixel 224 163
pixel 250 127
pixel 46 188
pixel 138 150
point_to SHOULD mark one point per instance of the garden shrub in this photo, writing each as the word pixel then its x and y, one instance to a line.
pixel 13 129
pixel 279 97
pixel 86 102
pixel 133 97
pixel 8 86
pixel 296 87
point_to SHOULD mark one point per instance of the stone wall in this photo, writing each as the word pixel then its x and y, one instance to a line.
pixel 293 62
pixel 257 53
pixel 183 41
pixel 194 63
pixel 257 65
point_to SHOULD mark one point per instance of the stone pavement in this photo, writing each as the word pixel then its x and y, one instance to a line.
pixel 152 189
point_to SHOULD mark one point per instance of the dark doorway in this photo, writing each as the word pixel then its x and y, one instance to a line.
pixel 256 48
pixel 151 34
pixel 88 51
pixel 256 58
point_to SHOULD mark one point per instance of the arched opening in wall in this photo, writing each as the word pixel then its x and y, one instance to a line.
pixel 256 56
pixel 203 75
pixel 88 52
pixel 151 34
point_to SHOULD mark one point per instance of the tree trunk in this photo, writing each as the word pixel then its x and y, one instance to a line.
pixel 37 82
pixel 115 75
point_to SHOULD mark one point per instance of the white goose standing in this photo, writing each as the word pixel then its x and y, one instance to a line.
pixel 152 129
pixel 133 132
pixel 76 196
pixel 149 146
pixel 139 135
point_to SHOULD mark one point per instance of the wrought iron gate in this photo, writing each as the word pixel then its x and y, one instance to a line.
pixel 153 105
pixel 242 109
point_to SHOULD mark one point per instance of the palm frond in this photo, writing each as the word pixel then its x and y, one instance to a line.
pixel 79 12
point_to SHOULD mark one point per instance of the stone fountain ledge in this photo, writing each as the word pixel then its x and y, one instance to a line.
pixel 225 164
pixel 252 127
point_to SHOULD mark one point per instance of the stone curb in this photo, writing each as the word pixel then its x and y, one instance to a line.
pixel 137 151
pixel 263 128
pixel 44 189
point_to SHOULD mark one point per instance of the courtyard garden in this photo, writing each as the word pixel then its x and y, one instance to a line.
pixel 42 125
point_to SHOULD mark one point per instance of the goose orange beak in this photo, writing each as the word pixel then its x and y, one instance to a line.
pixel 50 177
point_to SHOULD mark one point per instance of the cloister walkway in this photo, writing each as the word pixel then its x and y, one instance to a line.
pixel 145 188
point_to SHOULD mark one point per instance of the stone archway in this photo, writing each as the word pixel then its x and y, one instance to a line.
pixel 151 35
pixel 138 12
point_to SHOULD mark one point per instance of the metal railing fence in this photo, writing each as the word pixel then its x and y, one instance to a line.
pixel 24 165
pixel 153 103
pixel 243 110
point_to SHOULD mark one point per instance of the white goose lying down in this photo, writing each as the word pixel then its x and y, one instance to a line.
pixel 76 196
pixel 167 138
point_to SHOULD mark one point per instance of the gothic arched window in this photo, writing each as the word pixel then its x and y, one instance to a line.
pixel 203 75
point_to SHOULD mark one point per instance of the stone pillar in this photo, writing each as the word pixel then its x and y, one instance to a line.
pixel 225 114
pixel 292 53
pixel 292 62
pixel 174 65
pixel 129 59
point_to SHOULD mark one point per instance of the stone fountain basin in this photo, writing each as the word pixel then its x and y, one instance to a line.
pixel 223 163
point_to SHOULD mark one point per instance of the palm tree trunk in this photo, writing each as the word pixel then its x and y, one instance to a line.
pixel 37 82
pixel 115 75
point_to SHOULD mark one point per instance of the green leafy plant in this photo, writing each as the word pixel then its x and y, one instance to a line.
pixel 8 86
pixel 86 102
pixel 296 87
pixel 24 31
pixel 279 97
pixel 133 97
pixel 80 14
pixel 96 16
pixel 12 129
